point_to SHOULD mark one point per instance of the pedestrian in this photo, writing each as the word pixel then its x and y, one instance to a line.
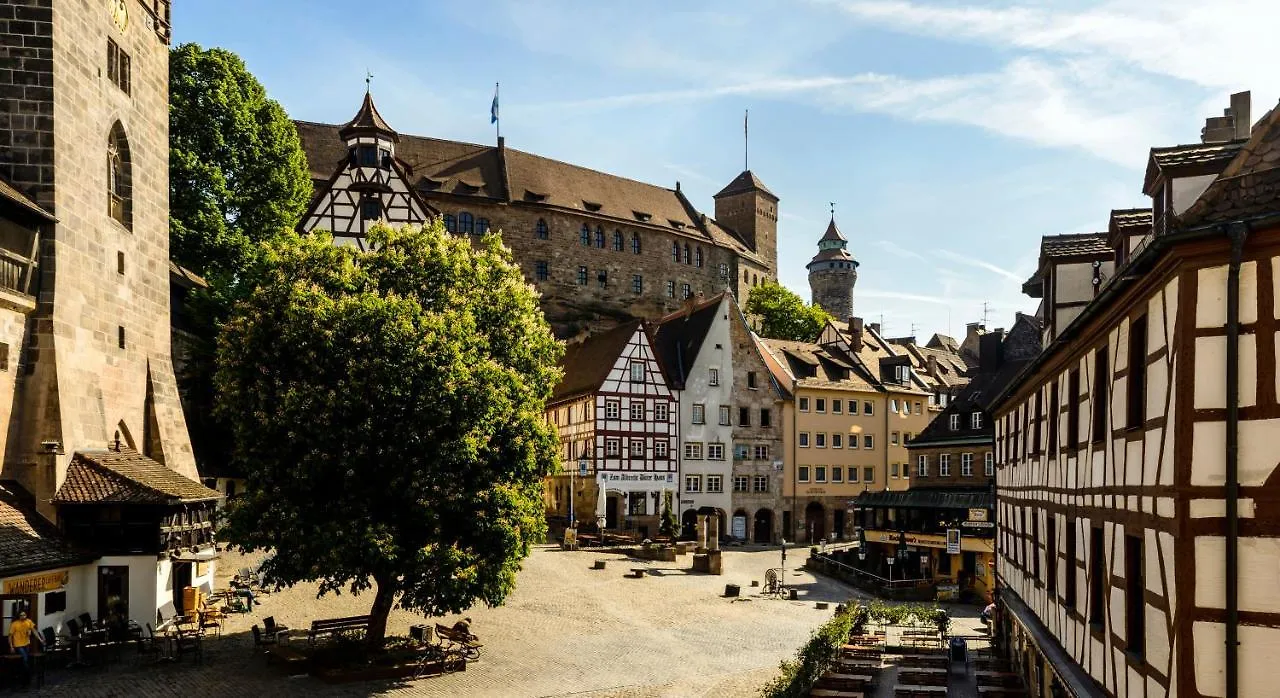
pixel 463 626
pixel 988 613
pixel 21 630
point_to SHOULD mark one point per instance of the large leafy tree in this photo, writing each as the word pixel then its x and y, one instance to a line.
pixel 784 315
pixel 387 407
pixel 237 173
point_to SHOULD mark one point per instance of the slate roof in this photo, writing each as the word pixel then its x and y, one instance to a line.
pixel 29 543
pixel 367 119
pixel 587 363
pixel 1249 187
pixel 1122 218
pixel 126 476
pixel 8 193
pixel 944 342
pixel 1176 156
pixel 927 498
pixel 828 368
pixel 679 336
pixel 745 181
pixel 1074 245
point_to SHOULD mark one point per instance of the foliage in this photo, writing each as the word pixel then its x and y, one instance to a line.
pixel 237 173
pixel 387 408
pixel 921 615
pixel 670 525
pixel 784 315
pixel 798 676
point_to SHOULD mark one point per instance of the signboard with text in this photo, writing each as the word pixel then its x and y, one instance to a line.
pixel 37 583
pixel 953 541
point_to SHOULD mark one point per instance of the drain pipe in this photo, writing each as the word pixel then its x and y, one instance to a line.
pixel 1236 233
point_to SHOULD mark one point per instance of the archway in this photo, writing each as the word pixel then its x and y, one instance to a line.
pixel 689 524
pixel 738 525
pixel 815 522
pixel 763 529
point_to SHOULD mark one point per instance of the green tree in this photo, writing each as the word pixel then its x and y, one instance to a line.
pixel 237 173
pixel 784 315
pixel 387 407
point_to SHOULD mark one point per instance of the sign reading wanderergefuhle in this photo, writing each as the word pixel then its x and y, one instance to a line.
pixel 37 583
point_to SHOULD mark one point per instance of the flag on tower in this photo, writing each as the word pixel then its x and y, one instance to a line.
pixel 493 108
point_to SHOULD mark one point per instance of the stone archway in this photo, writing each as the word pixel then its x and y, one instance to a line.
pixel 739 525
pixel 689 524
pixel 815 522
pixel 762 530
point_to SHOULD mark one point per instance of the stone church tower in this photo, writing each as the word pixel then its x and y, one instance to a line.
pixel 832 273
pixel 750 209
pixel 85 132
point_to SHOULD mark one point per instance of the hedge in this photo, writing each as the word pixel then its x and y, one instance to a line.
pixel 799 675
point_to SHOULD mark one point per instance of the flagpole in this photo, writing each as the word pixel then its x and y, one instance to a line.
pixel 497 122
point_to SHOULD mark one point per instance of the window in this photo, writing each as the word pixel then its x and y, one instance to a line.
pixel 724 272
pixel 804 404
pixel 966 465
pixel 120 336
pixel 370 209
pixel 853 473
pixel 692 483
pixel 586 235
pixel 837 440
pixel 693 451
pixel 365 156
pixel 804 439
pixel 685 291
pixel 954 422
pixel 893 470
pixel 599 237
pixel 1051 553
pixel 820 473
pixel 751 380
pixel 868 474
pixel 744 416
pixel 1035 425
pixel 120 262
pixel 1069 580
pixel 451 222
pixel 867 408
pixel 893 438
pixel 820 405
pixel 802 473
pixel 540 230
pixel 724 415
pixel 612 447
pixel 612 409
pixel 466 223
pixel 1136 391
pixel 820 440
pixel 617 240
pixel 715 451
pixel 660 448
pixel 56 601
pixel 741 452
pixel 637 448
pixel 766 419
pixel 975 420
pixel 918 408
pixel 671 289
pixel 688 254
pixel 119 177
pixel 1097 579
pixel 944 465
pixel 675 252
pixel 762 452
pixel 893 406
pixel 637 284
pixel 635 243
pixel 661 412
pixel 853 407
pixel 699 414
pixel 922 466
pixel 482 226
pixel 989 464
pixel 697 257
pixel 582 276
pixel 837 406
pixel 837 473
pixel 760 483
pixel 118 66
pixel 1101 380
pixel 1055 411
pixel 4 357
pixel 1034 544
pixel 602 278
pixel 1073 409
pixel 713 376
pixel 637 371
pixel 740 483
pixel 1135 625
pixel 868 442
pixel 637 410
pixel 541 271
pixel 715 483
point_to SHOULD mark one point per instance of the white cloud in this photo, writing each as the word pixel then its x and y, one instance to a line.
pixel 898 250
pixel 1013 276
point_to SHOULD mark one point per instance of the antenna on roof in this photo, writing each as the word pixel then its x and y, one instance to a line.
pixel 985 308
pixel 913 330
pixel 745 113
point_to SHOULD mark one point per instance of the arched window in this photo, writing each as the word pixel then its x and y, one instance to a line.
pixel 688 255
pixel 635 243
pixel 450 223
pixel 119 177
pixel 675 252
pixel 697 257
pixel 466 224
pixel 586 235
pixel 617 240
pixel 746 276
pixel 482 226
pixel 599 237
pixel 540 231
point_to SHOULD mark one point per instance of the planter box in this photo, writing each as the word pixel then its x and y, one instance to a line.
pixel 337 675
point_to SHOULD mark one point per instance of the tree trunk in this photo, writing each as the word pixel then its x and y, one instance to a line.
pixel 383 600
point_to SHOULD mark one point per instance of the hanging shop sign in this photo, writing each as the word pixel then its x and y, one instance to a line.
pixel 978 515
pixel 37 583
pixel 953 541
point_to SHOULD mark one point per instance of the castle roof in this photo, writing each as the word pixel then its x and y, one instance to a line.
pixel 126 476
pixel 367 119
pixel 744 182
pixel 833 233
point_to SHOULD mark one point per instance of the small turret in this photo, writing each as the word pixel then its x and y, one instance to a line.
pixel 833 273
pixel 371 142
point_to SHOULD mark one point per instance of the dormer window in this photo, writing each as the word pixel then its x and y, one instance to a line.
pixel 642 216
pixel 590 205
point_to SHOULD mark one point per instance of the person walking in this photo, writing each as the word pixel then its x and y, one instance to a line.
pixel 21 630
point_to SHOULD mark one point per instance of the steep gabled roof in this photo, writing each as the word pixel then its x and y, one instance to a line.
pixel 1194 156
pixel 587 363
pixel 29 543
pixel 744 182
pixel 367 119
pixel 679 337
pixel 1074 245
pixel 126 476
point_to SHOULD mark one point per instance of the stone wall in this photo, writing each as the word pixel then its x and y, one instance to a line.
pixel 763 396
pixel 26 97
pixel 955 479
pixel 833 290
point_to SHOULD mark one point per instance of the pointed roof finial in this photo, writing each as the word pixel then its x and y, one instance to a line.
pixel 368 81
pixel 833 209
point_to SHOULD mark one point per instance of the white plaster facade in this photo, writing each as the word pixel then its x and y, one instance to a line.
pixel 709 387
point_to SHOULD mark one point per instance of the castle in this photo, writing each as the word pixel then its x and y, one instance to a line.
pixel 600 248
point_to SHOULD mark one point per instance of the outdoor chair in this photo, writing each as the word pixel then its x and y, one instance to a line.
pixel 269 627
pixel 190 643
pixel 86 620
pixel 149 645
pixel 73 627
pixel 259 640
pixel 54 646
pixel 207 620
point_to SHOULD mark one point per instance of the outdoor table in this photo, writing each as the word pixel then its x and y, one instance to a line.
pixel 904 690
pixel 997 678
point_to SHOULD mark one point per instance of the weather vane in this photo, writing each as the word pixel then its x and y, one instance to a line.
pixel 833 208
pixel 368 80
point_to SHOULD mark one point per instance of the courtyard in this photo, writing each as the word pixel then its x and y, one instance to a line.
pixel 566 630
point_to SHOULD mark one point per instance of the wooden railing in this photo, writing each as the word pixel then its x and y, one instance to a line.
pixel 14 271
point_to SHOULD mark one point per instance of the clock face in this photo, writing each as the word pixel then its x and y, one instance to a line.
pixel 119 14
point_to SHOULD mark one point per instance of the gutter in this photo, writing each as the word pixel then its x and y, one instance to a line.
pixel 1236 233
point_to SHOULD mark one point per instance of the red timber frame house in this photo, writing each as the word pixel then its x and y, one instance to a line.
pixel 1138 487
pixel 616 415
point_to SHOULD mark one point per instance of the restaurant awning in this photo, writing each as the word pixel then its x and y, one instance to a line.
pixel 923 498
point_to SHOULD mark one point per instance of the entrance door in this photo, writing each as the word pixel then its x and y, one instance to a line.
pixel 838 524
pixel 786 526
pixel 689 524
pixel 815 522
pixel 763 532
pixel 181 580
pixel 611 512
pixel 113 593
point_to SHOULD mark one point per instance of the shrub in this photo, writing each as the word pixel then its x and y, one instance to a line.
pixel 798 676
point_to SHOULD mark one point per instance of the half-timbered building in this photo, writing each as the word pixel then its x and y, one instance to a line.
pixel 618 421
pixel 1137 491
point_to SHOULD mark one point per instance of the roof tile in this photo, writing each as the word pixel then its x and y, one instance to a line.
pixel 126 476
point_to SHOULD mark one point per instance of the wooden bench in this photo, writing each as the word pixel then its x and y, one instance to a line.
pixel 992 664
pixel 923 661
pixel 858 666
pixel 833 693
pixel 905 691
pixel 285 654
pixel 331 626
pixel 862 652
pixel 638 572
pixel 1000 691
pixel 846 682
pixel 917 676
pixel 998 678
pixel 463 643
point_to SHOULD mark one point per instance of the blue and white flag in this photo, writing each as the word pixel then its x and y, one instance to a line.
pixel 493 108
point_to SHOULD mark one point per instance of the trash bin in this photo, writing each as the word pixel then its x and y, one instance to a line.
pixel 958 649
pixel 732 590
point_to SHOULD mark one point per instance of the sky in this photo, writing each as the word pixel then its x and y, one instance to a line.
pixel 950 135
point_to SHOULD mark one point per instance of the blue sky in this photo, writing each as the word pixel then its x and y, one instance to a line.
pixel 950 135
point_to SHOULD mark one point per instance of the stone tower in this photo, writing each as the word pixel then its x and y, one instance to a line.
pixel 86 112
pixel 751 210
pixel 832 273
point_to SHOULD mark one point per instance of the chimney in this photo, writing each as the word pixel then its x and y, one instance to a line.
pixel 1240 110
pixel 502 142
pixel 1233 124
pixel 990 354
pixel 931 365
pixel 855 332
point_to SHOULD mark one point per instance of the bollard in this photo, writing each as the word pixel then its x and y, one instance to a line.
pixel 599 565
pixel 793 594
pixel 732 590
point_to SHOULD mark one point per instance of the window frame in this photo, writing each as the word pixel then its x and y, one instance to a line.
pixel 631 368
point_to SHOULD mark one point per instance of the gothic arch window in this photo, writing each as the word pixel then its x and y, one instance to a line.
pixel 600 237
pixel 466 223
pixel 675 252
pixel 586 235
pixel 540 231
pixel 635 243
pixel 688 255
pixel 119 177
pixel 450 223
pixel 617 240
pixel 697 257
